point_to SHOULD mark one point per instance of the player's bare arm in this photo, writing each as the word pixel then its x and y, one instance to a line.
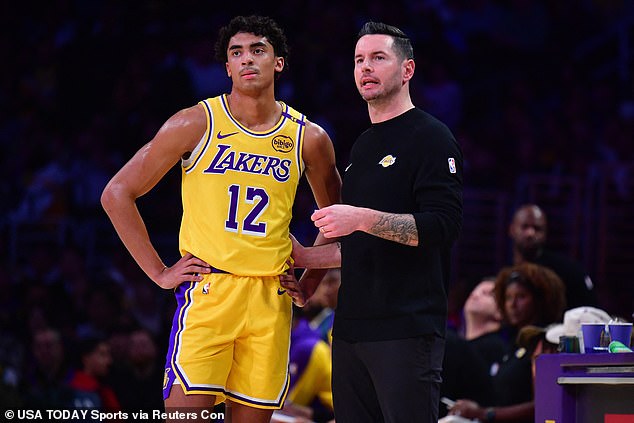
pixel 326 256
pixel 341 219
pixel 321 168
pixel 325 182
pixel 176 138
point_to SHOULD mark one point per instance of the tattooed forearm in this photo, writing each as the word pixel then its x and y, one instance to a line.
pixel 400 228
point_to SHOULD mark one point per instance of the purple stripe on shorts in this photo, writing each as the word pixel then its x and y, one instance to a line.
pixel 183 297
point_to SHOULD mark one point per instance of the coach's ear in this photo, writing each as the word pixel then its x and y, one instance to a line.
pixel 408 69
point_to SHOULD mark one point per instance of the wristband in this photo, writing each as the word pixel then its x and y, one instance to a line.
pixel 489 416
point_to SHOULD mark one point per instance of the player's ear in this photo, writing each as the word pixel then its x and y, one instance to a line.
pixel 279 64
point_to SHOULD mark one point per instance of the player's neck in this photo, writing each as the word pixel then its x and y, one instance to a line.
pixel 257 113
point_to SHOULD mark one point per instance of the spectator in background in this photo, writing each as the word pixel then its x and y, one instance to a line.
pixel 323 304
pixel 310 368
pixel 44 385
pixel 528 231
pixel 310 393
pixel 464 373
pixel 470 360
pixel 530 297
pixel 481 312
pixel 87 380
pixel 138 378
pixel 483 323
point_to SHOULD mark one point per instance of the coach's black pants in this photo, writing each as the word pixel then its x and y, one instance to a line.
pixel 395 381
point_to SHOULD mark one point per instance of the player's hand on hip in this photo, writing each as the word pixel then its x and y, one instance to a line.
pixel 293 288
pixel 338 220
pixel 188 269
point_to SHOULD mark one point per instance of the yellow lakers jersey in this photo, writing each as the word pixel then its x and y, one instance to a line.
pixel 238 189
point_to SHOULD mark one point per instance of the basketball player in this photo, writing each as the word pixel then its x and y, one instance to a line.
pixel 242 155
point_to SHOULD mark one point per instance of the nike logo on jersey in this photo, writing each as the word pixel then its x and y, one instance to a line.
pixel 221 136
pixel 238 161
pixel 280 291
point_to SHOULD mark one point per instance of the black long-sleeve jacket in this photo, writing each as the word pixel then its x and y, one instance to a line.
pixel 410 164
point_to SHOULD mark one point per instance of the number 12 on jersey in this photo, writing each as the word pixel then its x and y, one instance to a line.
pixel 258 200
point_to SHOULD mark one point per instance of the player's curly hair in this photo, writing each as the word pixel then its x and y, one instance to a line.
pixel 259 25
pixel 548 290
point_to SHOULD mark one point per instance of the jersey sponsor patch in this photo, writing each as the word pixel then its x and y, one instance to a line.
pixel 388 160
pixel 452 165
pixel 283 144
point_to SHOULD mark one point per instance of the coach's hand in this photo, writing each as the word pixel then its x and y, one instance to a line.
pixel 340 220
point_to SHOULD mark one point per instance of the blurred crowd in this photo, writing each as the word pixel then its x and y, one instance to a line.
pixel 526 86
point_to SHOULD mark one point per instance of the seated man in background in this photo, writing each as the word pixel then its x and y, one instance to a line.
pixel 530 298
pixel 483 324
pixel 528 231
pixel 469 361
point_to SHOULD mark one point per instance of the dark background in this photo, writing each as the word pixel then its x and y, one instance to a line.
pixel 538 93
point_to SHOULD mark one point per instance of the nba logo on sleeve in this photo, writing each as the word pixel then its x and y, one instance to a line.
pixel 452 165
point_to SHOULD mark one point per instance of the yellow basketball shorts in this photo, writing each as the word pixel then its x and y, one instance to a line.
pixel 230 338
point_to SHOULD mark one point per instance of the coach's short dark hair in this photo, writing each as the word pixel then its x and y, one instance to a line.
pixel 259 25
pixel 402 43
